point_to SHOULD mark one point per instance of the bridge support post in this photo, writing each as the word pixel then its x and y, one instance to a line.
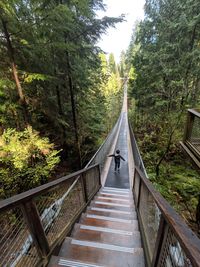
pixel 83 186
pixel 99 174
pixel 36 228
pixel 159 242
pixel 189 126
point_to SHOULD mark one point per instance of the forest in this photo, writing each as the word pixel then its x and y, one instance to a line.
pixel 60 94
pixel 57 89
pixel 164 81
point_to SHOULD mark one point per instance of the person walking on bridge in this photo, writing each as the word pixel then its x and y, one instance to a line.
pixel 117 158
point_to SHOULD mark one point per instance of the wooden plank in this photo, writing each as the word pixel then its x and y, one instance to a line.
pixel 100 256
pixel 114 207
pixel 115 225
pixel 112 213
pixel 131 241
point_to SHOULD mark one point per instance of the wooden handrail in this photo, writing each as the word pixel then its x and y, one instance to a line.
pixel 188 240
pixel 33 216
pixel 194 112
pixel 28 195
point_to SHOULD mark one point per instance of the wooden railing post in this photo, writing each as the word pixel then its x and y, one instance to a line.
pixel 189 126
pixel 139 193
pixel 36 229
pixel 134 172
pixel 99 174
pixel 159 242
pixel 83 186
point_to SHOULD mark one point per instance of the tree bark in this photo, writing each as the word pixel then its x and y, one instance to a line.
pixel 15 74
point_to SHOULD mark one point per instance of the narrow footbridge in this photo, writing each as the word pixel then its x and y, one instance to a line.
pixel 97 217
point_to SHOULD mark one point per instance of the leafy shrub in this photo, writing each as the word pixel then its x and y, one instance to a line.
pixel 26 160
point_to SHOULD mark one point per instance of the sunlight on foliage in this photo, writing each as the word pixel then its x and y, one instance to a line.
pixel 26 160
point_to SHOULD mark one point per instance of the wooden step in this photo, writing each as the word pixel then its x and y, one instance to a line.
pixel 115 195
pixel 101 254
pixel 112 213
pixel 115 200
pixel 118 238
pixel 106 236
pixel 124 190
pixel 114 206
pixel 110 223
pixel 60 261
pixel 116 191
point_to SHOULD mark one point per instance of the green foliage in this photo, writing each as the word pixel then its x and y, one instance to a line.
pixel 51 45
pixel 164 53
pixel 26 160
pixel 111 90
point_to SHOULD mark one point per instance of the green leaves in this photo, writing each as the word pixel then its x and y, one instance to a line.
pixel 25 155
pixel 165 57
pixel 30 77
pixel 49 47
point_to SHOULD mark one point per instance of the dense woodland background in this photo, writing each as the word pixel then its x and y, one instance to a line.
pixel 60 95
pixel 164 56
pixel 58 92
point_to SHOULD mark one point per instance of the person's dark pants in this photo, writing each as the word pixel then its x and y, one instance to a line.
pixel 117 165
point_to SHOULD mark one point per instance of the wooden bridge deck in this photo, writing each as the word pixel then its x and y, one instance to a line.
pixel 120 179
pixel 106 235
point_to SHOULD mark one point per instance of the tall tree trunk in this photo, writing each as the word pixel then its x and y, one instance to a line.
pixel 15 74
pixel 191 46
pixel 73 106
pixel 61 113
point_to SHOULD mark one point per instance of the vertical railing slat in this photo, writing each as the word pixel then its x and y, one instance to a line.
pixel 159 242
pixel 36 228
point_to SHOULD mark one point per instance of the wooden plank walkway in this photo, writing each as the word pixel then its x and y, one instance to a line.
pixel 120 179
pixel 107 235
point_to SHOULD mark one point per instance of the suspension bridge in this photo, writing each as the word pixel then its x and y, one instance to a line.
pixel 97 217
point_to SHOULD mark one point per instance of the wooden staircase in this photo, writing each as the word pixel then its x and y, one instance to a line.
pixel 106 235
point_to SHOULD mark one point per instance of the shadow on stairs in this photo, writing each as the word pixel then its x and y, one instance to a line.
pixel 106 235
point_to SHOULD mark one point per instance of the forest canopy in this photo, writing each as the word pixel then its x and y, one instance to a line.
pixel 57 89
pixel 164 81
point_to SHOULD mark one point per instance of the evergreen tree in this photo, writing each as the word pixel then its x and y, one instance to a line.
pixel 50 65
pixel 165 62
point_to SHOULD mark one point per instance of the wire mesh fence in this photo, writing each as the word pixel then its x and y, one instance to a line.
pixel 58 206
pixel 150 218
pixel 16 244
pixel 100 156
pixel 91 181
pixel 136 153
pixel 168 241
pixel 33 223
pixel 173 254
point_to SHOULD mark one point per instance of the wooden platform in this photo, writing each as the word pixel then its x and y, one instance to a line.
pixel 106 235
